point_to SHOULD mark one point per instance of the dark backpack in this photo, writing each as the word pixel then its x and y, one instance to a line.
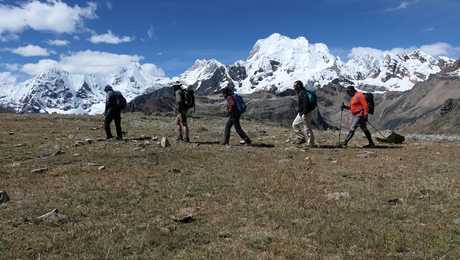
pixel 312 100
pixel 120 100
pixel 189 98
pixel 370 102
pixel 240 104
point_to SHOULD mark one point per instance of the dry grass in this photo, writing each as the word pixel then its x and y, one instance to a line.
pixel 248 202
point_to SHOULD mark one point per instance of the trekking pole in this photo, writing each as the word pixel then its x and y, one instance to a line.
pixel 340 126
pixel 375 128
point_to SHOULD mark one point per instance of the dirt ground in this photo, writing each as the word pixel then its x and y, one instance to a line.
pixel 207 201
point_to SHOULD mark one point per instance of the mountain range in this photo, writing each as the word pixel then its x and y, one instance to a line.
pixel 273 64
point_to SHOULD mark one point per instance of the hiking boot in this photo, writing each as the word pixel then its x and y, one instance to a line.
pixel 179 139
pixel 312 146
pixel 119 138
pixel 187 140
pixel 371 145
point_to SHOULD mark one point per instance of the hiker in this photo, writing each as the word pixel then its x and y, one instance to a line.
pixel 183 104
pixel 303 122
pixel 359 108
pixel 114 104
pixel 235 107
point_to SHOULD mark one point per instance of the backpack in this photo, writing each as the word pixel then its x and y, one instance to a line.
pixel 370 102
pixel 240 104
pixel 312 100
pixel 120 100
pixel 189 98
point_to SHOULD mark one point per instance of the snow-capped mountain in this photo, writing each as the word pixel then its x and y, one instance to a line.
pixel 276 62
pixel 62 92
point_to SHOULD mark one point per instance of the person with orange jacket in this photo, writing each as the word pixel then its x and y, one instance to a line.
pixel 360 110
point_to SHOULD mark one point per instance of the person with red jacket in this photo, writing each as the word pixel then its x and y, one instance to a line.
pixel 360 110
pixel 233 118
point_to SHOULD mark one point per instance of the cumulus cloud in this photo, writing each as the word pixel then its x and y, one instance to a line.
pixel 31 51
pixel 91 62
pixel 151 33
pixel 52 15
pixel 110 38
pixel 365 51
pixel 441 49
pixel 58 42
pixel 7 79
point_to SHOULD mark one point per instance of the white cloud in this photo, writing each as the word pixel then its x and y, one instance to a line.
pixel 41 66
pixel 403 5
pixel 441 49
pixel 51 15
pixel 362 51
pixel 151 33
pixel 11 66
pixel 7 79
pixel 153 69
pixel 58 42
pixel 90 62
pixel 31 51
pixel 109 5
pixel 110 38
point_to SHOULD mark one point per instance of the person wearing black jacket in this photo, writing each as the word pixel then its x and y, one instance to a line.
pixel 112 113
pixel 303 122
pixel 181 118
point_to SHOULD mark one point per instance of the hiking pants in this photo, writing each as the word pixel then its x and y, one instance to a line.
pixel 234 120
pixel 108 120
pixel 182 126
pixel 303 128
pixel 361 122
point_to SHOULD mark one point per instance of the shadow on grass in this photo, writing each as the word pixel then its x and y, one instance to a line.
pixel 262 145
pixel 359 147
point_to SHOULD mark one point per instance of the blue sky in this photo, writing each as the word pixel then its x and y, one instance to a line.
pixel 172 34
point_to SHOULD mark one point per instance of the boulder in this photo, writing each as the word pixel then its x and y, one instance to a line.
pixel 52 217
pixel 164 142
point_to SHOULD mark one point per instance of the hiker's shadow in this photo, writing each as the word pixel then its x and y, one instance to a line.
pixel 207 142
pixel 262 145
pixel 359 147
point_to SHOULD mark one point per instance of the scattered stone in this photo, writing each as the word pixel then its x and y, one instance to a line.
pixel 101 139
pixel 457 221
pixel 52 217
pixel 79 143
pixel 137 149
pixel 58 152
pixel 95 128
pixel 395 201
pixel 164 142
pixel 309 160
pixel 101 168
pixel 11 133
pixel 155 138
pixel 39 170
pixel 184 215
pixel 94 164
pixel 20 145
pixel 225 234
pixel 174 170
pixel 4 198
pixel 367 155
pixel 76 155
pixel 89 141
pixel 284 161
pixel 15 164
pixel 71 136
pixel 338 196
pixel 147 143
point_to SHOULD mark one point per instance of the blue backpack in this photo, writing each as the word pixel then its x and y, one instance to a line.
pixel 240 104
pixel 312 98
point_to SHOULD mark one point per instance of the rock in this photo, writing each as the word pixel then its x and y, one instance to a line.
pixel 338 196
pixel 15 164
pixel 284 161
pixel 4 198
pixel 367 154
pixel 137 149
pixel 457 221
pixel 164 142
pixel 76 155
pixel 184 215
pixel 224 234
pixel 58 152
pixel 20 145
pixel 79 143
pixel 174 170
pixel 89 141
pixel 94 164
pixel 155 138
pixel 147 143
pixel 11 133
pixel 395 201
pixel 39 170
pixel 101 168
pixel 52 217
pixel 71 137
